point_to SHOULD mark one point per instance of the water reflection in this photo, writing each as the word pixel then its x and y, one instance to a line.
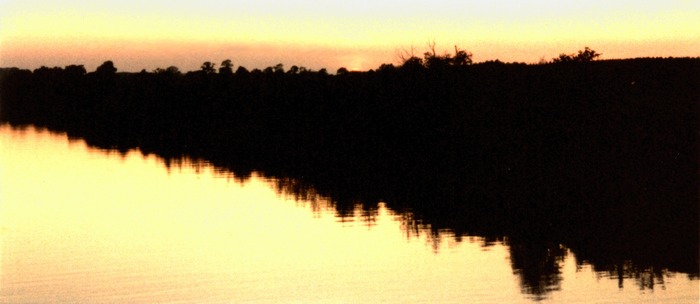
pixel 538 266
pixel 82 225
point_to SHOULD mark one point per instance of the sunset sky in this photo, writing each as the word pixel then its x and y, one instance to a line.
pixel 361 35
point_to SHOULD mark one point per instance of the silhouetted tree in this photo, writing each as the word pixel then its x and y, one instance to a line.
pixel 342 71
pixel 461 57
pixel 107 68
pixel 242 71
pixel 585 55
pixel 278 68
pixel 293 70
pixel 208 67
pixel 171 70
pixel 432 60
pixel 412 64
pixel 563 58
pixel 77 70
pixel 226 67
pixel 386 68
pixel 405 55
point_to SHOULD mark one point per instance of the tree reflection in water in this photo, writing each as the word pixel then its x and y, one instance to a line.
pixel 537 246
pixel 538 265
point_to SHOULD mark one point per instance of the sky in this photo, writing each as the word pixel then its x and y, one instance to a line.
pixel 358 35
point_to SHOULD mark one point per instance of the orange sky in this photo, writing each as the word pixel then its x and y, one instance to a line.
pixel 316 34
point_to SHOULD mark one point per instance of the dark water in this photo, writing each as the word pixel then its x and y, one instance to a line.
pixel 83 225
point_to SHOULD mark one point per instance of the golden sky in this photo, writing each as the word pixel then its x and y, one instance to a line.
pixel 360 34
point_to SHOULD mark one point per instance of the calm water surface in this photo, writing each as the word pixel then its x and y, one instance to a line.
pixel 80 225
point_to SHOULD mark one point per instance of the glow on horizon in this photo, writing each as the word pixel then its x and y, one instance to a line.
pixel 36 32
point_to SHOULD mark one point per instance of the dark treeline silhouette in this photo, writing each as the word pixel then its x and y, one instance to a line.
pixel 600 156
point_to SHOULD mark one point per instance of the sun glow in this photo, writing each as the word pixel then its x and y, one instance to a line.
pixel 33 31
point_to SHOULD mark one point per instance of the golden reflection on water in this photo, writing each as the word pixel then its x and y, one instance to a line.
pixel 79 225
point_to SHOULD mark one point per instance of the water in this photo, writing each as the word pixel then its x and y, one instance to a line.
pixel 82 225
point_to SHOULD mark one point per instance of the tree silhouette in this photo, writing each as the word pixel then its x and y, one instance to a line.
pixel 342 71
pixel 171 70
pixel 242 71
pixel 461 57
pixel 77 70
pixel 386 67
pixel 278 68
pixel 106 68
pixel 413 64
pixel 208 67
pixel 434 61
pixel 293 70
pixel 585 55
pixel 226 67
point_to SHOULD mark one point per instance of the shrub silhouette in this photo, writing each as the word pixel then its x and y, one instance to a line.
pixel 585 55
